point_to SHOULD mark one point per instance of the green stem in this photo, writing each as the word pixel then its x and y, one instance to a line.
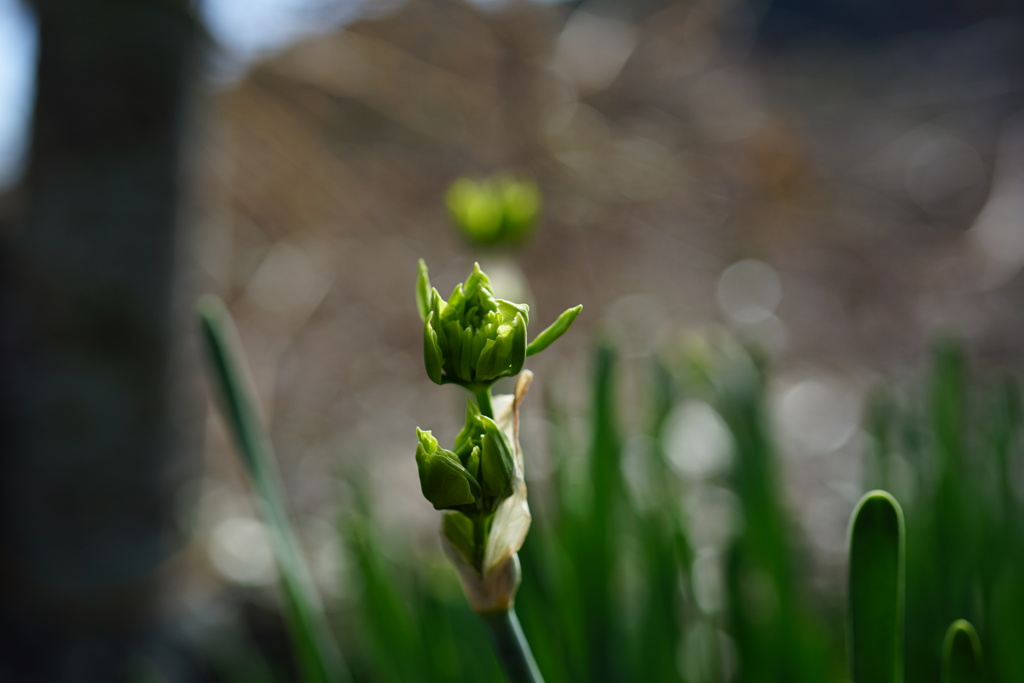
pixel 513 650
pixel 483 401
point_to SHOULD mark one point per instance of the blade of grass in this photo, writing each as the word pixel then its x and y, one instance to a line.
pixel 961 654
pixel 875 595
pixel 386 622
pixel 318 656
pixel 951 525
pixel 542 599
pixel 664 591
pixel 777 638
pixel 598 534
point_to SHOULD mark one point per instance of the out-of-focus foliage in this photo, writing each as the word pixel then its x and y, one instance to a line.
pixel 616 588
pixel 961 654
pixel 950 455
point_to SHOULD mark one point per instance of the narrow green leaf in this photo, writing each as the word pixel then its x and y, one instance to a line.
pixel 554 331
pixel 875 586
pixel 595 536
pixel 317 652
pixel 961 654
pixel 388 622
pixel 423 290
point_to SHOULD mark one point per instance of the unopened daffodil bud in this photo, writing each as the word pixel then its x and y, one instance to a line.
pixel 475 339
pixel 474 477
pixel 482 442
pixel 444 480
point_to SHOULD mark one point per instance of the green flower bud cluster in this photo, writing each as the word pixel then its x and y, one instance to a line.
pixel 494 211
pixel 474 339
pixel 474 477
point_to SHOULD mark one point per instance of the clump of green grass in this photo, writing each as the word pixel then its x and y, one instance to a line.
pixel 949 453
pixel 612 580
pixel 609 590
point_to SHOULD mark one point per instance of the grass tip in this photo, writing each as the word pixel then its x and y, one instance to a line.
pixel 879 501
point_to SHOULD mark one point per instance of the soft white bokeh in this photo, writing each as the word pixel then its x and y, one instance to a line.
pixel 18 45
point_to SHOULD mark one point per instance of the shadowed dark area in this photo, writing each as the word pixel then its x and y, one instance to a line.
pixel 93 442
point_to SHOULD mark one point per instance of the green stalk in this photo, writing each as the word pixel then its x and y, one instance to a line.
pixel 483 401
pixel 319 658
pixel 513 650
pixel 961 654
pixel 876 590
pixel 506 633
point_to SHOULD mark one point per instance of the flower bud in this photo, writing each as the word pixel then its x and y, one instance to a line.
pixel 481 439
pixel 490 575
pixel 444 480
pixel 473 339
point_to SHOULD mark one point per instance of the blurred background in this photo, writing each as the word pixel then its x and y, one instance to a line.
pixel 834 183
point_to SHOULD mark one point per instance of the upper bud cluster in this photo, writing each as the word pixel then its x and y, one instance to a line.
pixel 474 339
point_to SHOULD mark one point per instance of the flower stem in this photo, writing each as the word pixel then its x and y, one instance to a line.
pixel 513 650
pixel 483 401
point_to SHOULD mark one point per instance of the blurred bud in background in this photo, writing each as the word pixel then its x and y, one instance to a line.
pixel 500 211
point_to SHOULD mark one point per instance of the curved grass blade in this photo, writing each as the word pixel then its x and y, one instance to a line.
pixel 961 654
pixel 317 652
pixel 876 590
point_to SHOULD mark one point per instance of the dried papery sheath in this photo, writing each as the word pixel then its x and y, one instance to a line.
pixel 493 586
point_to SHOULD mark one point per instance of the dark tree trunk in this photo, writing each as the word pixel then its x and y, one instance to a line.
pixel 88 456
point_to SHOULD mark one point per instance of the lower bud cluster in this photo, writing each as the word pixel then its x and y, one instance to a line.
pixel 473 477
